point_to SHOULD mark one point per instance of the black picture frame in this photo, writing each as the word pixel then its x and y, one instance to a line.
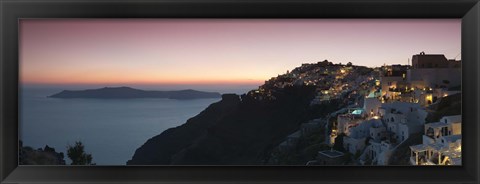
pixel 12 10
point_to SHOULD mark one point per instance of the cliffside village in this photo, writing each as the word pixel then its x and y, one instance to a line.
pixel 386 108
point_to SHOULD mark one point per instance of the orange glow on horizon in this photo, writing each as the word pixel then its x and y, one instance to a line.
pixel 212 52
pixel 147 82
pixel 136 77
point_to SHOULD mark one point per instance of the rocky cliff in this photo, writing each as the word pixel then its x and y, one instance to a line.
pixel 238 130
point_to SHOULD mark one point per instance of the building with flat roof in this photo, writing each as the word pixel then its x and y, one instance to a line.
pixel 434 70
pixel 442 143
pixel 403 118
pixel 423 60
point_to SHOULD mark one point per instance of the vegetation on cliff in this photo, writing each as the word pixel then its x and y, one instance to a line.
pixel 45 156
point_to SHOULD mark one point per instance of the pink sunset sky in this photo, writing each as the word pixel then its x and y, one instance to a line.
pixel 210 51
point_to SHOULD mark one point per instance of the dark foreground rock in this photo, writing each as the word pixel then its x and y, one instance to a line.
pixel 234 131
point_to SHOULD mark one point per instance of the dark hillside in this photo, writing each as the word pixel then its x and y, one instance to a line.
pixel 232 131
pixel 447 106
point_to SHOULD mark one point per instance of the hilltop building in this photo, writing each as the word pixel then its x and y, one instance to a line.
pixel 431 77
pixel 434 71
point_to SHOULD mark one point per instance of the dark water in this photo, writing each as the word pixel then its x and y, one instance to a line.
pixel 111 130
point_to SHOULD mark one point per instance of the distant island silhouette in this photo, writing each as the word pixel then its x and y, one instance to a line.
pixel 128 92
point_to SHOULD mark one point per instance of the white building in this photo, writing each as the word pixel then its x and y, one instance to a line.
pixel 379 152
pixel 448 125
pixel 354 144
pixel 442 143
pixel 455 121
pixel 356 139
pixel 378 132
pixel 432 77
pixel 347 121
pixel 388 82
pixel 403 118
pixel 434 70
pixel 447 151
pixel 371 105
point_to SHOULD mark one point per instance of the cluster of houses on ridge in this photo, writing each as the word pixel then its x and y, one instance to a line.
pixel 332 81
pixel 394 109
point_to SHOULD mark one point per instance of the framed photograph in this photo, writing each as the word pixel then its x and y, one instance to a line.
pixel 239 91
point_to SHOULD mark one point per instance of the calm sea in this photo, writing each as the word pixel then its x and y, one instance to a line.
pixel 111 130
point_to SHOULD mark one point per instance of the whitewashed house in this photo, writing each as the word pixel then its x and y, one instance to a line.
pixel 403 118
pixel 356 139
pixel 347 121
pixel 371 105
pixel 442 143
pixel 380 152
